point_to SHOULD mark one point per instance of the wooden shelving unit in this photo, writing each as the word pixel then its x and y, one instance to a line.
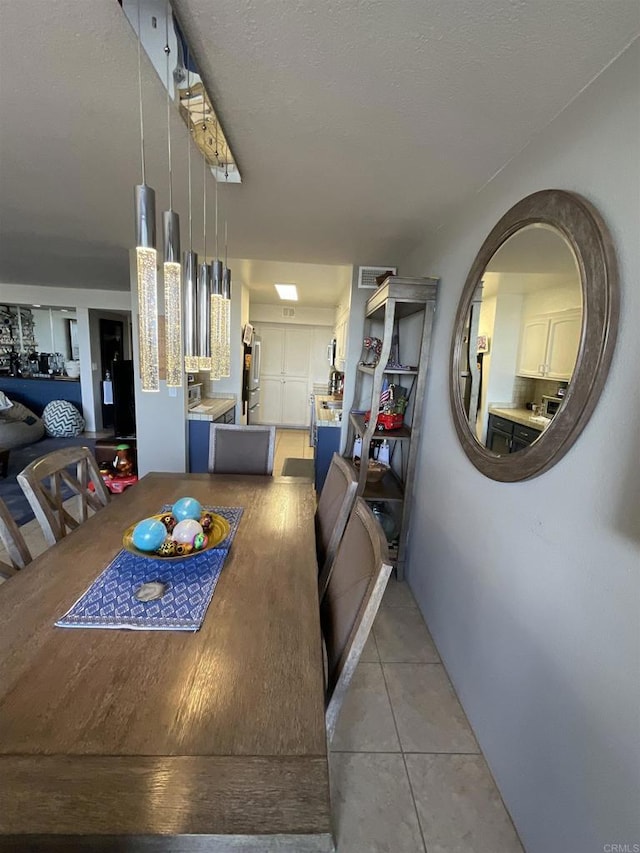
pixel 396 299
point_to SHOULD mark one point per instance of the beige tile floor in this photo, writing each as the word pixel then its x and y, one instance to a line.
pixel 291 443
pixel 407 775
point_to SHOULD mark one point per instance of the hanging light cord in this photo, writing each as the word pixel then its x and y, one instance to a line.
pixel 204 203
pixel 167 51
pixel 217 253
pixel 140 95
pixel 189 148
pixel 225 227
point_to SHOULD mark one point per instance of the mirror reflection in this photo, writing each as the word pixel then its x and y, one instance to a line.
pixel 521 339
pixel 36 341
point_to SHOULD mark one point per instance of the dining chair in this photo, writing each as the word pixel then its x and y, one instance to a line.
pixel 13 543
pixel 47 502
pixel 336 501
pixel 352 598
pixel 237 449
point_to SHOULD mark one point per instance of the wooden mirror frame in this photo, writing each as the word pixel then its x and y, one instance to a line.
pixel 583 228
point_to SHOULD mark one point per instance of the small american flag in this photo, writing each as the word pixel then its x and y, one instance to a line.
pixel 385 394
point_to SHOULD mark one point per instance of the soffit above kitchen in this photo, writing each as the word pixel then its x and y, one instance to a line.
pixel 359 127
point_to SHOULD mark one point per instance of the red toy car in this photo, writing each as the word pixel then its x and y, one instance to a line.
pixel 386 421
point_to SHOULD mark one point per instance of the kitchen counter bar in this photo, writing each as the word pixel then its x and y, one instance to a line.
pixel 211 408
pixel 6 377
pixel 327 417
pixel 520 416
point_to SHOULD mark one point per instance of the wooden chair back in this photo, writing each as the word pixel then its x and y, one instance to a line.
pixel 352 598
pixel 236 449
pixel 13 543
pixel 47 500
pixel 336 501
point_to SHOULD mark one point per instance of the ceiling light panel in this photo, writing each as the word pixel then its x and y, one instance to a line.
pixel 287 291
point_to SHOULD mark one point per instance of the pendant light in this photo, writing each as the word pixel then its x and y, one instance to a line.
pixel 190 266
pixel 216 296
pixel 172 270
pixel 204 286
pixel 146 270
pixel 225 330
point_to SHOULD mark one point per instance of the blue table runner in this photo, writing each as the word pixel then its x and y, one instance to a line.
pixel 110 601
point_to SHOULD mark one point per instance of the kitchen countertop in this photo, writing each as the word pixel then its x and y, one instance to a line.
pixel 211 408
pixel 520 416
pixel 327 417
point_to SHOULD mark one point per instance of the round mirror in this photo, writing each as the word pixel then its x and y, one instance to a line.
pixel 534 335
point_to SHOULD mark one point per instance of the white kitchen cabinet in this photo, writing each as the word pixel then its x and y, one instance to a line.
pixel 284 374
pixel 284 401
pixel 549 345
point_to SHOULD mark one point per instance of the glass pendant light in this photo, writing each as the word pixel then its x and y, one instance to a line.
pixel 146 269
pixel 190 268
pixel 204 290
pixel 172 270
pixel 216 299
pixel 225 326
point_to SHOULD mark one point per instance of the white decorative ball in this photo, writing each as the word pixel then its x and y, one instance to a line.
pixel 186 531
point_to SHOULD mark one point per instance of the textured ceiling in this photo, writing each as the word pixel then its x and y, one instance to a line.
pixel 358 126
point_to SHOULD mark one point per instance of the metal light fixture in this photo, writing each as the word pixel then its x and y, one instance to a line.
pixel 204 291
pixel 190 275
pixel 225 325
pixel 172 270
pixel 146 269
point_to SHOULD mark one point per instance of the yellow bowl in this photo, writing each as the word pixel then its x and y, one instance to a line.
pixel 218 532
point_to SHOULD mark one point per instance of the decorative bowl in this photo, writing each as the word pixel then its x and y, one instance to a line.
pixel 375 470
pixel 217 533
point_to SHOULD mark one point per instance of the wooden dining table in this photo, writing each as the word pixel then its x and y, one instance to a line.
pixel 166 740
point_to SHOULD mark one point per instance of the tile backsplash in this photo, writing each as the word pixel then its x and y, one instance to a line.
pixel 526 390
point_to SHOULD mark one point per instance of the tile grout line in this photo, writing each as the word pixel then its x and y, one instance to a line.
pixel 404 761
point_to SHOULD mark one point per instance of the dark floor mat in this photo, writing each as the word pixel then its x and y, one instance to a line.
pixel 298 468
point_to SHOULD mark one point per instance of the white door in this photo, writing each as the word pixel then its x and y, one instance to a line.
pixel 297 347
pixel 272 350
pixel 295 402
pixel 533 347
pixel 271 392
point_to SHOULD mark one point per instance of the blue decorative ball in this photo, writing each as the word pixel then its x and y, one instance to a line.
pixel 149 534
pixel 187 508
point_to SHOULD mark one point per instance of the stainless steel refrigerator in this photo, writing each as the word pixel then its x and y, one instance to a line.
pixel 252 375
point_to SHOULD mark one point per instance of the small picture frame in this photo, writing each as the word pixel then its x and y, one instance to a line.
pixel 483 344
pixel 247 334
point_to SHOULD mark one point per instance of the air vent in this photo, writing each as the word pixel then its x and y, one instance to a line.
pixel 367 275
pixel 288 312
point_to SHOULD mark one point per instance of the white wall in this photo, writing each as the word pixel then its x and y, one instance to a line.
pixel 531 590
pixel 307 316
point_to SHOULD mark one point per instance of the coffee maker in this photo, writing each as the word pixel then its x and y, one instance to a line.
pixel 336 382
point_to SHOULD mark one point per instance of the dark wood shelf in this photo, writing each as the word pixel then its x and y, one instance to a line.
pixel 364 368
pixel 402 434
pixel 388 489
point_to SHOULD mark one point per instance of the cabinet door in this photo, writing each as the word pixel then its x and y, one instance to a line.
pixel 272 351
pixel 297 348
pixel 270 411
pixel 564 340
pixel 341 343
pixel 533 347
pixel 295 402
